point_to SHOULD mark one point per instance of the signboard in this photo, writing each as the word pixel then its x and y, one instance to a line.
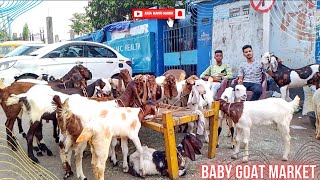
pixel 262 6
pixel 139 48
pixel 239 11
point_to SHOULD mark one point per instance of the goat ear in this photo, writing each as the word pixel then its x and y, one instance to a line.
pixel 195 142
pixel 190 81
pixel 85 135
pixel 174 91
pixel 188 149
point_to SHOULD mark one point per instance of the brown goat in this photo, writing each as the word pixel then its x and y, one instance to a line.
pixel 179 74
pixel 170 86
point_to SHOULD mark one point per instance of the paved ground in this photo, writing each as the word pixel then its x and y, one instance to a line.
pixel 264 139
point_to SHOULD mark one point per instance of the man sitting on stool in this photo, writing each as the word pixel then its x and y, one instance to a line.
pixel 217 72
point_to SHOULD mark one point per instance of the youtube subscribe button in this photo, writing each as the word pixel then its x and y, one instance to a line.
pixel 158 13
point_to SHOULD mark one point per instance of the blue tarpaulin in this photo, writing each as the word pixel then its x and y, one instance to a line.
pixel 88 37
pixel 99 36
pixel 118 26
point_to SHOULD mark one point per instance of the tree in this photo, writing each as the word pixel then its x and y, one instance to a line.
pixel 25 32
pixel 103 12
pixel 4 35
pixel 81 24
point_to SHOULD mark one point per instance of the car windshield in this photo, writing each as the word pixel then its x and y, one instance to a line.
pixel 22 50
pixel 6 49
pixel 41 50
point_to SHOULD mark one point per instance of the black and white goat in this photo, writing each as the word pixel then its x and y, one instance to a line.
pixel 155 161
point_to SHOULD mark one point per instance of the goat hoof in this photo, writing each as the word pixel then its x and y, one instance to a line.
pixel 34 159
pixel 125 169
pixel 39 154
pixel 57 140
pixel 24 135
pixel 232 147
pixel 245 160
pixel 68 174
pixel 49 153
pixel 217 146
pixel 284 159
pixel 234 157
pixel 115 164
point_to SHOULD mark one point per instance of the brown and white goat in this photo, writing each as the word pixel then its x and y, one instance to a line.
pixel 261 112
pixel 112 121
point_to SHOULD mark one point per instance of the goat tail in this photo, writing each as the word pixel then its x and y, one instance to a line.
pixel 295 103
pixel 201 122
pixel 14 99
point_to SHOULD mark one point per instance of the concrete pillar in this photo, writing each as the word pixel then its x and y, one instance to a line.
pixel 266 31
pixel 49 30
pixel 56 38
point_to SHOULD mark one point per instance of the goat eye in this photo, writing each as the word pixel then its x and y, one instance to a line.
pixel 237 89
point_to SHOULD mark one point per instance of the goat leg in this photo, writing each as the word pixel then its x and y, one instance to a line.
pixel 20 128
pixel 29 138
pixel 55 130
pixel 124 146
pixel 237 146
pixel 113 152
pixel 137 143
pixel 11 140
pixel 43 147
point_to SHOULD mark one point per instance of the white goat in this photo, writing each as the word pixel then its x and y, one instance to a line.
pixel 231 95
pixel 316 108
pixel 200 97
pixel 261 112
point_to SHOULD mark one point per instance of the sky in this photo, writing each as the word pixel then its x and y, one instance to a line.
pixel 60 11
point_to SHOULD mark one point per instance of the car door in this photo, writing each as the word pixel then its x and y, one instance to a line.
pixel 101 61
pixel 62 59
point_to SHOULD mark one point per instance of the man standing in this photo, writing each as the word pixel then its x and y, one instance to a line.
pixel 250 73
pixel 217 71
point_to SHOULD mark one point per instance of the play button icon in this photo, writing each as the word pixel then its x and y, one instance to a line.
pixel 137 14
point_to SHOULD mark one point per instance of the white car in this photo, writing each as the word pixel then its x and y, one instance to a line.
pixel 55 60
pixel 24 50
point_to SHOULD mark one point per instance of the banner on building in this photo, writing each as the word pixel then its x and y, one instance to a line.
pixel 139 48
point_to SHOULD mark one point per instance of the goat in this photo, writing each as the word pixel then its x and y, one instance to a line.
pixel 316 108
pixel 37 102
pixel 100 124
pixel 287 78
pixel 179 74
pixel 72 79
pixel 71 126
pixel 200 97
pixel 262 112
pixel 155 162
pixel 90 90
pixel 230 95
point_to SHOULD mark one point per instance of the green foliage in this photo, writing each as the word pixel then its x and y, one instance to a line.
pixel 81 24
pixel 25 32
pixel 103 12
